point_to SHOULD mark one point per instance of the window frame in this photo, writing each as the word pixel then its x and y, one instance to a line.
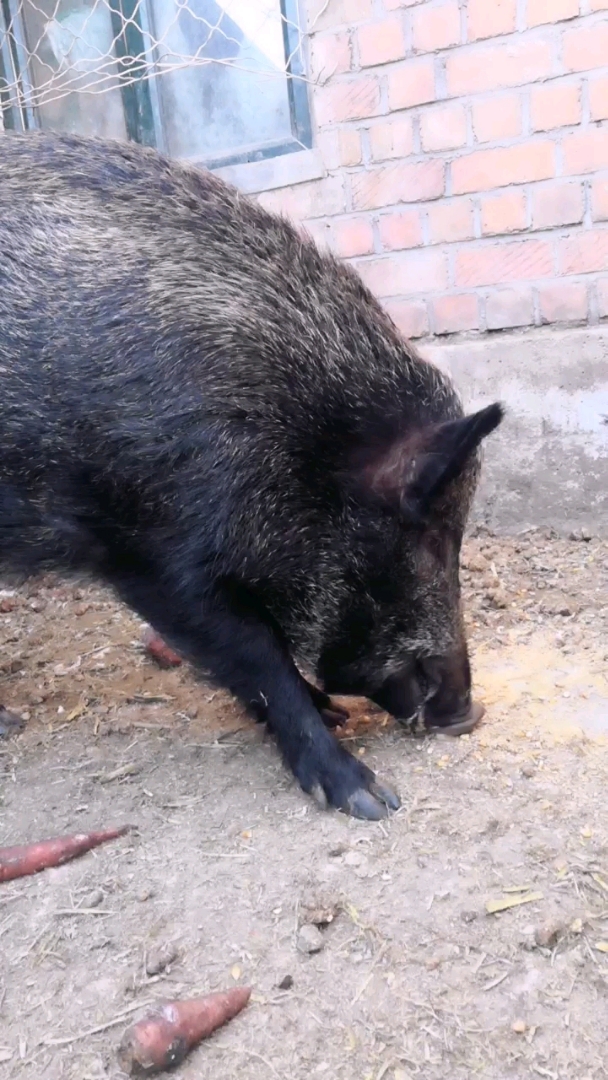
pixel 140 98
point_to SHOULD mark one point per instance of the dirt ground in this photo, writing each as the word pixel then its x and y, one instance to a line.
pixel 230 859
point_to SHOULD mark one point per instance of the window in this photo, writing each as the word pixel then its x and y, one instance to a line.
pixel 218 82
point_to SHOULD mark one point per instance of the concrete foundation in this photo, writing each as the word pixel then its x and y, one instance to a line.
pixel 548 463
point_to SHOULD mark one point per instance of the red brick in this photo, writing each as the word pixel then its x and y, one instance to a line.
pixel 392 139
pixel 602 298
pixel 586 48
pixel 598 5
pixel 551 11
pixel 322 15
pixel 381 42
pixel 450 221
pixel 412 83
pixel 489 18
pixel 509 307
pixel 443 128
pixel 497 118
pixel 557 204
pixel 495 264
pixel 598 99
pixel 319 198
pixel 503 213
pixel 584 253
pixel 490 67
pixel 563 302
pixel 586 151
pixel 351 100
pixel 452 314
pixel 392 5
pixel 436 28
pixel 410 317
pixel 398 231
pixel 352 236
pixel 556 105
pixel 349 142
pixel 599 200
pixel 330 54
pixel 339 146
pixel 397 183
pixel 406 273
pixel 487 169
pixel 328 147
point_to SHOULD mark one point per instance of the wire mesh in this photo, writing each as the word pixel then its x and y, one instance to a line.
pixel 152 69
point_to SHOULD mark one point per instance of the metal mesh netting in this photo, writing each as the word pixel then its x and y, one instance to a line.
pixel 199 78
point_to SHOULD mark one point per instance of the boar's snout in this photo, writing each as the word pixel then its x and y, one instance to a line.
pixel 449 688
pixel 440 686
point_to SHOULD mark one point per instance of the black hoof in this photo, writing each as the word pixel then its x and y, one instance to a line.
pixel 373 804
pixel 335 716
pixel 336 779
pixel 332 715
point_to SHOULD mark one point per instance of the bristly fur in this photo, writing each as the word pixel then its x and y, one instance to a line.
pixel 202 409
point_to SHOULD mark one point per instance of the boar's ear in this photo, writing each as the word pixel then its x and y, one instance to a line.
pixel 444 454
pixel 413 472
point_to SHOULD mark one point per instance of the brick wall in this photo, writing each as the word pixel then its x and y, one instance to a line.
pixel 466 148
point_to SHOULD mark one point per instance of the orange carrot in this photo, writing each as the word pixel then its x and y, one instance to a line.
pixel 16 862
pixel 163 1038
pixel 158 651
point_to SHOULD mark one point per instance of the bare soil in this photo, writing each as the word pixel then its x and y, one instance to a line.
pixel 230 859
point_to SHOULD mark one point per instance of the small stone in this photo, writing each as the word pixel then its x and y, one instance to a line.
pixel 286 983
pixel 310 939
pixel 337 851
pixel 528 771
pixel 320 911
pixel 144 894
pixel 161 958
pixel 476 563
pixel 498 597
pixel 92 899
pixel 469 916
pixel 519 1027
pixel 10 722
pixel 548 935
pixel 354 858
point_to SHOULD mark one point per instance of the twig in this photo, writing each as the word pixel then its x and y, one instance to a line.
pixel 365 984
pixel 99 1028
pixel 496 982
pixel 220 855
pixel 83 911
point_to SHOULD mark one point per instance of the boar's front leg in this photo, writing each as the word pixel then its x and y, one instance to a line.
pixel 332 715
pixel 230 636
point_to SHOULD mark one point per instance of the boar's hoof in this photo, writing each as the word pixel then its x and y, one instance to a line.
pixel 372 804
pixel 336 779
pixel 334 716
pixel 459 725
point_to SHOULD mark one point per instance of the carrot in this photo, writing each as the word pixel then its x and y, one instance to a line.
pixel 158 651
pixel 165 1036
pixel 16 862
